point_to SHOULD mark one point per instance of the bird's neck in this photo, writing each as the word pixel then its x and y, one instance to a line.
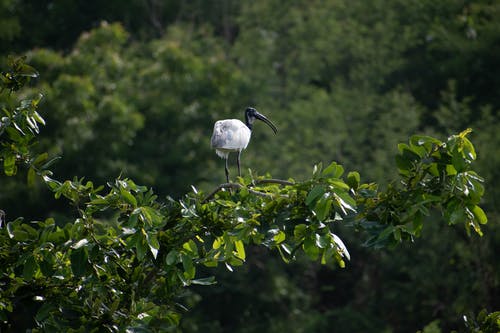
pixel 248 122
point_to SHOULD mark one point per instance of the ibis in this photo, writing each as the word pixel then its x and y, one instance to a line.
pixel 233 135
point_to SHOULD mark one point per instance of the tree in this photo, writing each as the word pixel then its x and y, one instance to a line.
pixel 126 257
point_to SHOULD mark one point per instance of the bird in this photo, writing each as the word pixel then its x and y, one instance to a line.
pixel 233 135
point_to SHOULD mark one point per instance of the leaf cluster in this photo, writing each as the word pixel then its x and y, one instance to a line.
pixel 434 174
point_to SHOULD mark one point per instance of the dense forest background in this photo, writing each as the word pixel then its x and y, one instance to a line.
pixel 133 88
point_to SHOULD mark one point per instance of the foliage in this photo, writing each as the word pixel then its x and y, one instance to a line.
pixel 19 126
pixel 484 322
pixel 126 258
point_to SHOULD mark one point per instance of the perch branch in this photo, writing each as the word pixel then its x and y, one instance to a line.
pixel 235 185
pixel 273 181
pixel 239 186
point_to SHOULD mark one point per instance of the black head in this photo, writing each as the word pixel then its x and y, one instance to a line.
pixel 251 114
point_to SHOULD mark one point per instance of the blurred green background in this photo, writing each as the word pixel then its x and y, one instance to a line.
pixel 133 88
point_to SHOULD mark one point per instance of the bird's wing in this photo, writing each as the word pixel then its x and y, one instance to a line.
pixel 230 134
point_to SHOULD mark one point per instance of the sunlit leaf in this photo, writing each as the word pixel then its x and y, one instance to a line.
pixel 217 243
pixel 341 246
pixel 9 165
pixel 345 201
pixel 479 214
pixel 191 247
pixel 279 237
pixel 205 281
pixel 240 249
pixel 153 244
pixel 322 241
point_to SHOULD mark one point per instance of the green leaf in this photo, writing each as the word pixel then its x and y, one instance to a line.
pixel 468 150
pixel 337 183
pixel 310 248
pixel 153 243
pixel 128 197
pixel 457 215
pixel 10 228
pixel 397 234
pixel 341 246
pixel 27 70
pixel 141 246
pixel 9 164
pixel 40 159
pixel 279 237
pixel 151 216
pixel 450 170
pixel 44 312
pixel 346 202
pixel 315 193
pixel 385 233
pixel 479 214
pixel 46 266
pixel 204 281
pixel 334 170
pixel 322 241
pixel 458 161
pixel 172 258
pixel 38 118
pixel 322 208
pixel 423 140
pixel 240 249
pixel 299 231
pixel 80 243
pixel 353 179
pixel 30 267
pixel 187 263
pixel 49 162
pixel 317 169
pixel 18 231
pixel 191 247
pixel 406 159
pixel 13 134
pixel 31 177
pixel 79 261
pixel 217 243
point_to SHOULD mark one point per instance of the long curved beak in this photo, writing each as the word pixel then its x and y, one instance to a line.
pixel 267 121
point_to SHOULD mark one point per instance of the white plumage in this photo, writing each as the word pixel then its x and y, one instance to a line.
pixel 230 135
pixel 233 135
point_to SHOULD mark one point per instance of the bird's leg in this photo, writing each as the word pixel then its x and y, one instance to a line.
pixel 226 169
pixel 239 171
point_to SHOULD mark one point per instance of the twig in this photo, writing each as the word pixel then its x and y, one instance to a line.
pixel 273 181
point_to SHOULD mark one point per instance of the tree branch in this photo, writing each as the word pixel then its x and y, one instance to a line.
pixel 274 181
pixel 239 186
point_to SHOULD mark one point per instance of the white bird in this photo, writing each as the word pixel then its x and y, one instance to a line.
pixel 232 135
